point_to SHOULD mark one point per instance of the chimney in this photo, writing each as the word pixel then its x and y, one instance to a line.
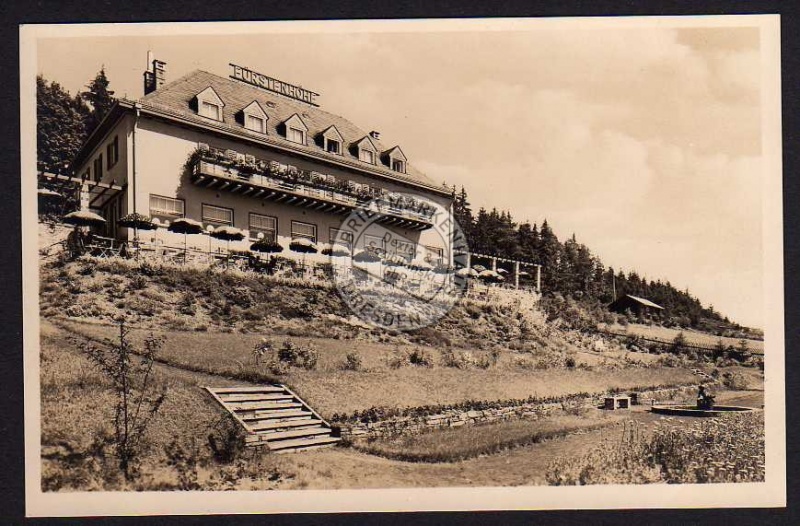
pixel 155 75
pixel 375 135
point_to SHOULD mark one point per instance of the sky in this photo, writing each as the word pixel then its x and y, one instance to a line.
pixel 646 143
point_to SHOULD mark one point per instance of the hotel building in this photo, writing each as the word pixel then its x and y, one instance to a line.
pixel 255 153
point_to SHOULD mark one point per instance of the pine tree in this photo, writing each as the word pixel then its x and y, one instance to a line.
pixel 100 99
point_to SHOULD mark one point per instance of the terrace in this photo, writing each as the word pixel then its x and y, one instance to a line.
pixel 270 180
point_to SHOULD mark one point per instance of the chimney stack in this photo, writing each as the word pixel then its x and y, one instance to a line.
pixel 156 74
pixel 375 135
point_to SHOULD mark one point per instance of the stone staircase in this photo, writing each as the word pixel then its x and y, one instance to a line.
pixel 275 417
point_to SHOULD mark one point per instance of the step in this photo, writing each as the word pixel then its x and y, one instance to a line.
pixel 274 415
pixel 303 442
pixel 262 406
pixel 256 397
pixel 272 425
pixel 295 433
pixel 277 437
pixel 255 389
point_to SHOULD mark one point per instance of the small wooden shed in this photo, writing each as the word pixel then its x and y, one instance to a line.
pixel 640 307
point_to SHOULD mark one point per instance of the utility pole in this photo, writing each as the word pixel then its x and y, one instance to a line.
pixel 614 286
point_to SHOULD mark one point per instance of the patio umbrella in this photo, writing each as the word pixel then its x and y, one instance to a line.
pixel 304 246
pixel 336 250
pixel 83 217
pixel 467 272
pixel 185 226
pixel 490 275
pixel 394 260
pixel 502 271
pixel 137 222
pixel 228 233
pixel 266 247
pixel 420 264
pixel 46 193
pixel 442 269
pixel 479 268
pixel 366 256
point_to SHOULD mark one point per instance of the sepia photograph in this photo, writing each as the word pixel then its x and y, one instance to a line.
pixel 402 265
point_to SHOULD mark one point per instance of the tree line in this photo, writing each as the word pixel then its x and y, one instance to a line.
pixel 569 267
pixel 65 121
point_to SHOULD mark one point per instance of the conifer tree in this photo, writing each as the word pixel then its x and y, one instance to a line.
pixel 100 99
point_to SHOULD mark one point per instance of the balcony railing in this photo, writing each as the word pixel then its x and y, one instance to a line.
pixel 212 172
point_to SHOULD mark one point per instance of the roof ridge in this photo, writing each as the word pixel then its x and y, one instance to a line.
pixel 172 97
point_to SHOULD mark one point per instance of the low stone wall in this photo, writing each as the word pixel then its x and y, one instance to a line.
pixel 457 418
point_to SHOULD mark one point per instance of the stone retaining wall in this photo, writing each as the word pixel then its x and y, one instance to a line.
pixel 457 418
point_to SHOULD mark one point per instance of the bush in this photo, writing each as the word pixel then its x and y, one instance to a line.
pixel 735 381
pixel 420 357
pixel 298 356
pixel 352 362
pixel 724 449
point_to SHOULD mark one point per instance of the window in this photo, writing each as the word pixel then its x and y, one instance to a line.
pixel 341 236
pixel 210 110
pixel 398 165
pixel 112 152
pixel 98 168
pixel 165 206
pixel 267 225
pixel 217 215
pixel 333 146
pixel 254 123
pixel 373 242
pixel 304 230
pixel 296 135
pixel 434 255
pixel 366 155
pixel 209 104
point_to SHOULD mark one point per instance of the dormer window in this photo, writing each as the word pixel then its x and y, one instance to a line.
pixel 366 150
pixel 395 159
pixel 296 135
pixel 209 105
pixel 254 118
pixel 332 140
pixel 210 110
pixel 296 129
pixel 367 156
pixel 333 146
pixel 254 123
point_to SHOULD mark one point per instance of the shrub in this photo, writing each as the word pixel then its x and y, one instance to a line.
pixel 298 356
pixel 138 282
pixel 352 362
pixel 420 357
pixel 724 449
pixel 451 359
pixel 397 359
pixel 735 381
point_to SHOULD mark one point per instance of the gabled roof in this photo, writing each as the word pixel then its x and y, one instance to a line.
pixel 332 133
pixel 255 107
pixel 644 302
pixel 396 153
pixel 296 122
pixel 365 143
pixel 172 102
pixel 209 93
